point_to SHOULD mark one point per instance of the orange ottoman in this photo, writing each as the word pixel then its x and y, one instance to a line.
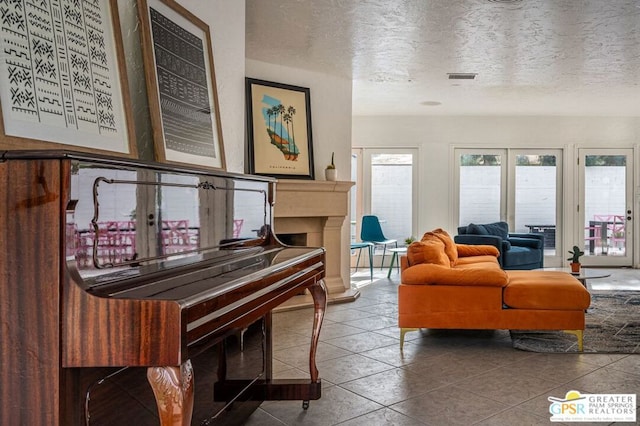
pixel 545 290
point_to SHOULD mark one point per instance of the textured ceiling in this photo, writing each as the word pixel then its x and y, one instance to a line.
pixel 532 57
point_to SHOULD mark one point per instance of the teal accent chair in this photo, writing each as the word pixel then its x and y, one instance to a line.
pixel 371 232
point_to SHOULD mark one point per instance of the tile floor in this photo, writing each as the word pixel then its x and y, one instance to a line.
pixel 446 378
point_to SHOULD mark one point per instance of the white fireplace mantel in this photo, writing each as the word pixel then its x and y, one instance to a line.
pixel 318 209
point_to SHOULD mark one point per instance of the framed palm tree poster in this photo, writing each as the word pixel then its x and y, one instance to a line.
pixel 279 130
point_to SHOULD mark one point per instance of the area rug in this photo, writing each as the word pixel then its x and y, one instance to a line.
pixel 612 326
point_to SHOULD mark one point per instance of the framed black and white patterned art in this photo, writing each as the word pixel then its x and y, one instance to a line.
pixel 62 77
pixel 181 85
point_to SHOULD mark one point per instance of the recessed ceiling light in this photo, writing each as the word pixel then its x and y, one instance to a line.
pixel 431 103
pixel 462 75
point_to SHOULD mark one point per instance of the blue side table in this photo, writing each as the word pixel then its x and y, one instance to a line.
pixel 394 258
pixel 359 247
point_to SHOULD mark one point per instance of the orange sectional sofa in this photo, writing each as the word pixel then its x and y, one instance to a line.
pixel 445 285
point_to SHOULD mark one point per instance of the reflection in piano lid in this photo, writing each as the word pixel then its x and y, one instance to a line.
pixel 123 217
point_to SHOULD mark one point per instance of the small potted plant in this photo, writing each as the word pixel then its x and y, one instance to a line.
pixel 409 240
pixel 575 259
pixel 330 173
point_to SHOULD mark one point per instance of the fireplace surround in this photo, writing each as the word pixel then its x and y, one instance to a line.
pixel 318 209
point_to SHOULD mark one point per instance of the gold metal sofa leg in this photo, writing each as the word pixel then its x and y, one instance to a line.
pixel 579 334
pixel 404 331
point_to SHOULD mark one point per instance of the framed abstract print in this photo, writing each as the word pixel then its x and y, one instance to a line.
pixel 181 85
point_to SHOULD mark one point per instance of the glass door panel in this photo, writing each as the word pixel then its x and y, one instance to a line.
pixel 392 193
pixel 480 197
pixel 355 193
pixel 536 196
pixel 606 215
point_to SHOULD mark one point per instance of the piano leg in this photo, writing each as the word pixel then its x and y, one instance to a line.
pixel 173 389
pixel 319 294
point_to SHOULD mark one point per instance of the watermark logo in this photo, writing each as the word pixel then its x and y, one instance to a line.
pixel 577 407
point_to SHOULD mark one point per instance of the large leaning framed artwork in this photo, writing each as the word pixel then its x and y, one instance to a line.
pixel 62 77
pixel 181 85
pixel 279 130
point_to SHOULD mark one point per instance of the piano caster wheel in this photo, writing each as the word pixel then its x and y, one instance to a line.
pixel 305 405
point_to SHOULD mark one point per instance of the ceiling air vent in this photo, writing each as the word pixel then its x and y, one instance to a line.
pixel 462 75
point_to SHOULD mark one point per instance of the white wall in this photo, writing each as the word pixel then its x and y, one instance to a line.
pixel 435 137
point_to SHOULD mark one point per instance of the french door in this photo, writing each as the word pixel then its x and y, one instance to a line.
pixel 605 206
pixel 518 186
pixel 386 186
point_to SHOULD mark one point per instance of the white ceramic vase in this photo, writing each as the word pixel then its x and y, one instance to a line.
pixel 331 174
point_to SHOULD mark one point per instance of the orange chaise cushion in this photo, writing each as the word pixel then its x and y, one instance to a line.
pixel 429 251
pixel 449 246
pixel 427 273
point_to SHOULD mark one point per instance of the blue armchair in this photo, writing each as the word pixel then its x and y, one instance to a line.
pixel 517 251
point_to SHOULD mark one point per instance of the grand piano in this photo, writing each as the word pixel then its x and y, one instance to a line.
pixel 142 294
